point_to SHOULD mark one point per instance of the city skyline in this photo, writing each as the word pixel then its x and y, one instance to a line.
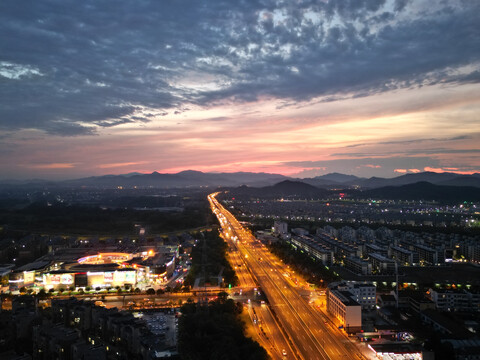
pixel 370 88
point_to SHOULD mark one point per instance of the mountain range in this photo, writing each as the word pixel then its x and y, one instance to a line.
pixel 422 190
pixel 446 178
pixel 190 178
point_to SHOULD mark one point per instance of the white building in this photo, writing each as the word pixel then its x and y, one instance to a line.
pixel 363 293
pixel 341 305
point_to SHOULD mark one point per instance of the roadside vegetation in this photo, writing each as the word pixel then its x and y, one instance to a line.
pixel 216 332
pixel 312 270
pixel 216 262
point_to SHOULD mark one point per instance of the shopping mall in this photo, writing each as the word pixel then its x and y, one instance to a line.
pixel 81 269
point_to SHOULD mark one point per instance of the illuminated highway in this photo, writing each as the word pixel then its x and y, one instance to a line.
pixel 306 328
pixel 267 330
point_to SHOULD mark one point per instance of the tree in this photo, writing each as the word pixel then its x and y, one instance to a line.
pixel 222 297
pixel 42 294
pixel 217 333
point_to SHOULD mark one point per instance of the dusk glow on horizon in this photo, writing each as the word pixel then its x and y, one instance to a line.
pixel 369 88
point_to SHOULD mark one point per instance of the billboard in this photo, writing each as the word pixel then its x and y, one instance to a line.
pixel 108 277
pixel 66 279
pixel 130 277
pixel 28 277
pixel 119 276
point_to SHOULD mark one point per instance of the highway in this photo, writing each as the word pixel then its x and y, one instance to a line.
pixel 266 328
pixel 310 334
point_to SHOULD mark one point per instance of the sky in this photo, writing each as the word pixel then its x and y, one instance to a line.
pixel 297 87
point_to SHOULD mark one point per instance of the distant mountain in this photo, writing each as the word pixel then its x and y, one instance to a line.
pixel 188 178
pixel 286 189
pixel 191 178
pixel 332 180
pixel 424 191
pixel 251 179
pixel 337 178
pixel 132 174
pixel 325 184
pixel 292 187
pixel 463 180
pixel 431 177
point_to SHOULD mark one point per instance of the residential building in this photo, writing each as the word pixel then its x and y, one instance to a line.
pixel 362 293
pixel 455 300
pixel 342 305
pixel 357 265
pixel 381 264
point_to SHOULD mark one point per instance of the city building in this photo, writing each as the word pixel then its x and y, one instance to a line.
pixel 313 248
pixel 362 293
pixel 428 255
pixel 357 265
pixel 97 270
pixel 280 228
pixel 404 256
pixel 455 300
pixel 374 249
pixel 341 305
pixel 397 350
pixel 381 264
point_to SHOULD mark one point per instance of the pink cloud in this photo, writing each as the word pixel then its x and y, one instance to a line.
pixel 52 166
pixel 456 171
pixel 401 171
pixel 373 166
pixel 115 165
pixel 415 171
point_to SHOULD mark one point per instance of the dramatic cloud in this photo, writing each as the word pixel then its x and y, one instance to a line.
pixel 73 66
pixel 167 84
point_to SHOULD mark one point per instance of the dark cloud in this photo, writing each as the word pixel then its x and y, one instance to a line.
pixel 455 138
pixel 69 67
pixel 412 152
pixel 68 129
pixel 413 141
pixel 121 121
pixel 400 4
pixel 216 119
